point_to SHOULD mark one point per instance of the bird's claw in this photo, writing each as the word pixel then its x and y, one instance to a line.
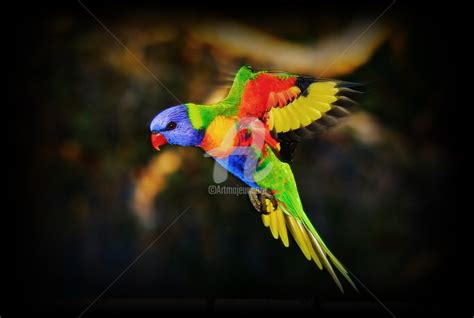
pixel 258 199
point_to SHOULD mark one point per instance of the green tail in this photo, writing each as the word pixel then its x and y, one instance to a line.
pixel 281 180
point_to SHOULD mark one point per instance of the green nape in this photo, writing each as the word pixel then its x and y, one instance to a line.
pixel 202 115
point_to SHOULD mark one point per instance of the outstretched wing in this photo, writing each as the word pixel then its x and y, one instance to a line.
pixel 295 107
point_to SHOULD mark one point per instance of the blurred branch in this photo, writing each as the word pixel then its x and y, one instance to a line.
pixel 138 40
pixel 234 41
pixel 240 41
pixel 151 182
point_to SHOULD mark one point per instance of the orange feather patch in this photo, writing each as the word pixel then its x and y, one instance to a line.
pixel 257 94
pixel 219 140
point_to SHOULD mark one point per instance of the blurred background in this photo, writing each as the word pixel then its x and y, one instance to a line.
pixel 90 193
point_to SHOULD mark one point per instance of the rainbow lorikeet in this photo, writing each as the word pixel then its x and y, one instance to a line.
pixel 253 133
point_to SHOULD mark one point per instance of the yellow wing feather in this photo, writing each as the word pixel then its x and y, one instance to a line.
pixel 303 117
pixel 305 109
pixel 293 118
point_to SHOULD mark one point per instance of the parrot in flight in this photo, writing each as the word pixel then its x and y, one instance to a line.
pixel 253 133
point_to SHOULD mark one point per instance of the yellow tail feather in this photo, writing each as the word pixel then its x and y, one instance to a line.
pixel 310 243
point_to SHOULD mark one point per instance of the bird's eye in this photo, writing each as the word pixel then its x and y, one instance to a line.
pixel 249 67
pixel 171 125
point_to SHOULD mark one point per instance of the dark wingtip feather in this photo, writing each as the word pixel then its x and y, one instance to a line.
pixel 349 93
pixel 328 120
pixel 316 127
pixel 345 84
pixel 338 111
pixel 304 133
pixel 346 102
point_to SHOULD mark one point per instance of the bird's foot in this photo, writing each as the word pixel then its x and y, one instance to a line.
pixel 258 199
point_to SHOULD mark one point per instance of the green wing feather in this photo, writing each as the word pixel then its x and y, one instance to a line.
pixel 202 115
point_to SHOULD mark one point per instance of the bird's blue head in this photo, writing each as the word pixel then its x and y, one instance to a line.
pixel 172 126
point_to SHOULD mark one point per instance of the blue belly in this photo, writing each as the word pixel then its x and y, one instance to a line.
pixel 242 166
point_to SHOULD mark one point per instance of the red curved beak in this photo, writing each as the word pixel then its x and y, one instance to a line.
pixel 158 140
